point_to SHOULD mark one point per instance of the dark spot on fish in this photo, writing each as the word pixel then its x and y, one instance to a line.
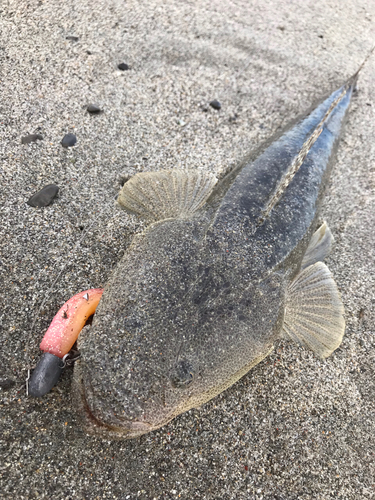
pixel 182 374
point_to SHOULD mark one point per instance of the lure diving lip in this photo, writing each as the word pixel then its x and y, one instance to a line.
pixel 60 338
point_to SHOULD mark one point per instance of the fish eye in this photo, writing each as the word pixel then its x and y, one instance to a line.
pixel 182 374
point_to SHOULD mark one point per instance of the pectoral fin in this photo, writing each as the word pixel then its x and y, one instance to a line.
pixel 166 194
pixel 319 246
pixel 314 313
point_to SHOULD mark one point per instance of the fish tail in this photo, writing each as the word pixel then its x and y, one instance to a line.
pixel 308 144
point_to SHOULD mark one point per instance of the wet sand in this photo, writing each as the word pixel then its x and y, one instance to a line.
pixel 294 427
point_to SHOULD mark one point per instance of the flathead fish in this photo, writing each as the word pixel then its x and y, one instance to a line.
pixel 222 271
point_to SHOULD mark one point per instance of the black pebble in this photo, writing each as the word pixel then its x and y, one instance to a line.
pixel 73 38
pixel 93 109
pixel 31 138
pixel 123 66
pixel 215 104
pixel 44 197
pixel 69 140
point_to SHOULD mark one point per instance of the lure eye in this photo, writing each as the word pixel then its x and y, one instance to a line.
pixel 182 374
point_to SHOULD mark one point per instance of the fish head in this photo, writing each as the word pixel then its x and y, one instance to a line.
pixel 158 346
pixel 130 392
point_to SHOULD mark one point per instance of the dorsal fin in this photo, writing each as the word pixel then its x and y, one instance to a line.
pixel 166 194
pixel 308 144
pixel 300 158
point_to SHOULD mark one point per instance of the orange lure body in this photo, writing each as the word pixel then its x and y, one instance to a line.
pixel 69 321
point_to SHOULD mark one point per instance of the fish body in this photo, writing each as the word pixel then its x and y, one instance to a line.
pixel 221 272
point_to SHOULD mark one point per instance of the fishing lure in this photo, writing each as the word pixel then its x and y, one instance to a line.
pixel 60 338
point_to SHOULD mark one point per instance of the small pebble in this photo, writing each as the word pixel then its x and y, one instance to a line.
pixel 44 197
pixel 93 109
pixel 31 138
pixel 215 104
pixel 123 66
pixel 69 140
pixel 72 37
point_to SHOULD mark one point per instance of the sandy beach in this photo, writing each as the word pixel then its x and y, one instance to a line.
pixel 295 427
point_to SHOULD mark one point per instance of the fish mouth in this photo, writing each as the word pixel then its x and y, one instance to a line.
pixel 122 429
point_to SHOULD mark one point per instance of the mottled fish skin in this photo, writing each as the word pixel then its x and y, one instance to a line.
pixel 197 301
